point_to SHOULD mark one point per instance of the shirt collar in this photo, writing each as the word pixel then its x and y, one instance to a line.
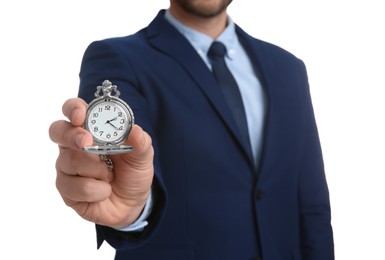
pixel 200 41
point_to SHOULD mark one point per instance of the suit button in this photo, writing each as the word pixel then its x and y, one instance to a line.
pixel 258 194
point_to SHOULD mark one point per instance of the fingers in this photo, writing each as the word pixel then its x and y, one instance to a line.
pixel 65 134
pixel 75 189
pixel 75 110
pixel 82 164
pixel 71 134
pixel 82 177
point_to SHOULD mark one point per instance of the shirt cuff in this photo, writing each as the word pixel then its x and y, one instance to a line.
pixel 141 222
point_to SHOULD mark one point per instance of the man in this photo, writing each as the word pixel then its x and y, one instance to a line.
pixel 194 187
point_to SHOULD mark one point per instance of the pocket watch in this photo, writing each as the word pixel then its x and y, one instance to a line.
pixel 109 119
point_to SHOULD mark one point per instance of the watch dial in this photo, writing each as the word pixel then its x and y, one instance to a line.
pixel 109 122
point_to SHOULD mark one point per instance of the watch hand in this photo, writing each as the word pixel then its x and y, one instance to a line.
pixel 108 122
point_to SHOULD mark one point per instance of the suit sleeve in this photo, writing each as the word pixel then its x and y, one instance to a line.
pixel 315 213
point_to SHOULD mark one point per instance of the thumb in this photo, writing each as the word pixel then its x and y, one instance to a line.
pixel 134 170
pixel 141 141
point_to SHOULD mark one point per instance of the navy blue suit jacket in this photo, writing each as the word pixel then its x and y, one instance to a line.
pixel 211 202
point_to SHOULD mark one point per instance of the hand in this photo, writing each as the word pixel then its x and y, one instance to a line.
pixel 98 195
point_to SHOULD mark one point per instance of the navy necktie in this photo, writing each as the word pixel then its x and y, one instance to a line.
pixel 229 86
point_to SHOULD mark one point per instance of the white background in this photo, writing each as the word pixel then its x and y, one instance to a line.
pixel 42 43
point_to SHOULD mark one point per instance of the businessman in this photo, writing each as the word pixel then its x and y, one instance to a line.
pixel 227 162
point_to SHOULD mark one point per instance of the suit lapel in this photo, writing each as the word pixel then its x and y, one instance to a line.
pixel 168 40
pixel 272 74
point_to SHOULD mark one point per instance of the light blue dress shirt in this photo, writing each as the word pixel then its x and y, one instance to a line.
pixel 249 85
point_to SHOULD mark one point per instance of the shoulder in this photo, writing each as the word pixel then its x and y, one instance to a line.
pixel 137 42
pixel 268 49
pixel 119 43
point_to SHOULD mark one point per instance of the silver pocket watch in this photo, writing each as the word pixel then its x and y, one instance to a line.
pixel 109 119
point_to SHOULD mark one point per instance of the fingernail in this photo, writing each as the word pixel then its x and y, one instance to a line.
pixel 73 114
pixel 79 140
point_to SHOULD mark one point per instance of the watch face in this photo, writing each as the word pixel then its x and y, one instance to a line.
pixel 109 121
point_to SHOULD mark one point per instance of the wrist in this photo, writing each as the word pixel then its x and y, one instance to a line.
pixel 141 220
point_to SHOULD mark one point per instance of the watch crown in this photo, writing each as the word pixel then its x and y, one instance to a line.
pixel 107 89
